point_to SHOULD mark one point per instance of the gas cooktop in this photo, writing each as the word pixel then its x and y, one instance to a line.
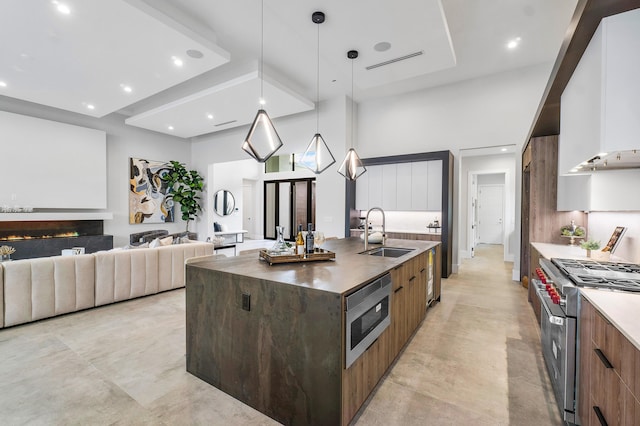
pixel 608 275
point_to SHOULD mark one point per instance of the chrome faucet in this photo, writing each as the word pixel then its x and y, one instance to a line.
pixel 366 227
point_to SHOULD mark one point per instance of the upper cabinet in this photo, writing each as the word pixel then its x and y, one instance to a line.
pixel 412 186
pixel 599 126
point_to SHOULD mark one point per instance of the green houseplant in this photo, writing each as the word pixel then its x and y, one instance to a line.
pixel 184 188
pixel 590 245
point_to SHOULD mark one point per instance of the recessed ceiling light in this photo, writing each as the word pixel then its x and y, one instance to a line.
pixel 512 44
pixel 126 88
pixel 91 106
pixel 61 7
pixel 170 127
pixel 383 46
pixel 503 149
pixel 3 84
pixel 210 116
pixel 176 61
pixel 196 54
pixel 573 170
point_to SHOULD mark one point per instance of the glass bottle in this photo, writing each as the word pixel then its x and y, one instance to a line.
pixel 280 246
pixel 309 241
pixel 299 242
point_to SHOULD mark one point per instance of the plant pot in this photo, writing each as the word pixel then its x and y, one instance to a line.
pixel 588 253
pixel 5 257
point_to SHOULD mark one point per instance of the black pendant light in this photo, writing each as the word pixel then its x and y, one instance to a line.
pixel 317 157
pixel 262 141
pixel 352 167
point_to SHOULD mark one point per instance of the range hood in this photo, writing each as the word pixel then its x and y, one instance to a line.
pixel 600 106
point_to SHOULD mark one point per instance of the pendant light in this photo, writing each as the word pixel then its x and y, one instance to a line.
pixel 352 167
pixel 262 141
pixel 317 157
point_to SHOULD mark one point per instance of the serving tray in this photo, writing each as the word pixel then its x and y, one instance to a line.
pixel 294 258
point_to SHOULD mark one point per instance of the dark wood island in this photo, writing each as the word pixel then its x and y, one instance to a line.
pixel 273 336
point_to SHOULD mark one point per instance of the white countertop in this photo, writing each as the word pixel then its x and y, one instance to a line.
pixel 548 251
pixel 621 309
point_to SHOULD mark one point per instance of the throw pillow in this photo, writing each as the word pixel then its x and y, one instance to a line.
pixel 223 227
pixel 155 243
pixel 167 241
pixel 216 227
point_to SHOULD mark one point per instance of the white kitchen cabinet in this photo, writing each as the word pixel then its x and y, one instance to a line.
pixel 389 180
pixel 362 191
pixel 419 177
pixel 601 102
pixel 375 186
pixel 434 185
pixel 413 186
pixel 403 186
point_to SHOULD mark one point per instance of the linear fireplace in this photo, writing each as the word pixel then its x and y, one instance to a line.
pixel 48 238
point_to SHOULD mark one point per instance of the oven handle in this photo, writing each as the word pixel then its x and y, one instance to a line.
pixel 552 318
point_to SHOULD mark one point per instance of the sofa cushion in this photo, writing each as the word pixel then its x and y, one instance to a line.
pixel 44 287
pixel 126 274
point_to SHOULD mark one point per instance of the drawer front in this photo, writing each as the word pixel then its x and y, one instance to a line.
pixel 606 397
pixel 607 339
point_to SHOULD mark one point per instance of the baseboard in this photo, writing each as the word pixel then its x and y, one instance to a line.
pixel 509 258
pixel 454 268
pixel 464 254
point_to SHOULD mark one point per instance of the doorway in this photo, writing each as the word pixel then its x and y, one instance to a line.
pixel 249 208
pixel 288 203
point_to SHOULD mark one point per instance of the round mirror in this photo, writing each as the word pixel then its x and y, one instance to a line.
pixel 223 202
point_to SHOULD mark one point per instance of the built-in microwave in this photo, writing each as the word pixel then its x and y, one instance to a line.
pixel 367 316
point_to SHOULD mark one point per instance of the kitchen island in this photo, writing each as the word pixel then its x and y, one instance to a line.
pixel 273 336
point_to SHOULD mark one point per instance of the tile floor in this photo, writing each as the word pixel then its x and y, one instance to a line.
pixel 474 360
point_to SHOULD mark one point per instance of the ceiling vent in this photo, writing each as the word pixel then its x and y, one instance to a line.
pixel 225 123
pixel 391 61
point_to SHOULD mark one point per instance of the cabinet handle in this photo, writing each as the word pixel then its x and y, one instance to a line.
pixel 422 270
pixel 603 421
pixel 398 289
pixel 603 358
pixel 412 278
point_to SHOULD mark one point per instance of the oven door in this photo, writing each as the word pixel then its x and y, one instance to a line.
pixel 558 339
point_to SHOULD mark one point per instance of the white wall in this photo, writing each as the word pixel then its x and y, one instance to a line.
pixel 602 224
pixel 122 142
pixel 296 132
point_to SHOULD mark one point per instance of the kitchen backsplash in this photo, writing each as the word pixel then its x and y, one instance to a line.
pixel 602 224
pixel 403 221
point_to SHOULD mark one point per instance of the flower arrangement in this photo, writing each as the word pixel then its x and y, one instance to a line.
pixel 7 250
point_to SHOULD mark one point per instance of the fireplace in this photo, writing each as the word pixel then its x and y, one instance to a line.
pixel 48 238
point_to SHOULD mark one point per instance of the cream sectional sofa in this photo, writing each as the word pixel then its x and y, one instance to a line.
pixel 33 289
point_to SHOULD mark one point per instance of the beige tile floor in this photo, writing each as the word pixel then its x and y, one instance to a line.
pixel 474 361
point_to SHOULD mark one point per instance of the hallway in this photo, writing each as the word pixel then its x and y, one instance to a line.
pixel 475 360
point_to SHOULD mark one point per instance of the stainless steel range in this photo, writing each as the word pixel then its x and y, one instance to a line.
pixel 557 288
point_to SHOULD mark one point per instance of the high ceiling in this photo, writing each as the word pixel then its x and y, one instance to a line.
pixel 78 54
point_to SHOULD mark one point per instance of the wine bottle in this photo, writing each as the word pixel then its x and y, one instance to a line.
pixel 299 242
pixel 309 242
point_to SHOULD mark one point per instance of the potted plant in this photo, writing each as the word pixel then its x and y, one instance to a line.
pixel 590 245
pixel 184 188
pixel 6 252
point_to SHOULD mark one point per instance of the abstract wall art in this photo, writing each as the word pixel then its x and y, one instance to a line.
pixel 147 192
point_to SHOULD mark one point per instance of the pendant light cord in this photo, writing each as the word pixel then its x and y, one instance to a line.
pixel 318 86
pixel 261 52
pixel 352 107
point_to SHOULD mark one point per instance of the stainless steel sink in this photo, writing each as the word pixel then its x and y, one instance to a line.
pixel 388 251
